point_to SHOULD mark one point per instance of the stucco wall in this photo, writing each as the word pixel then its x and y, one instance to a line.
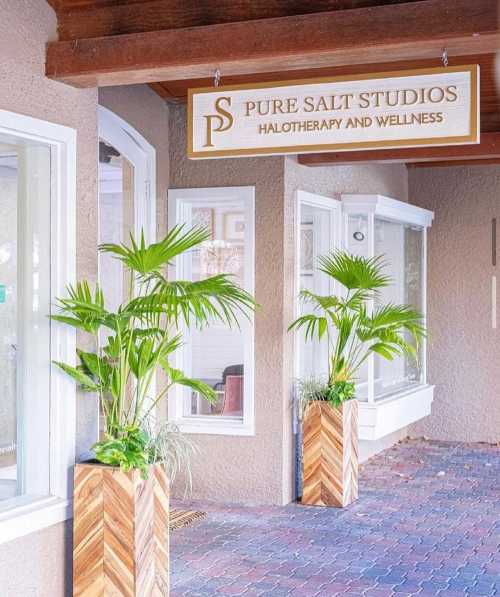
pixel 260 469
pixel 246 469
pixel 463 349
pixel 27 566
pixel 390 180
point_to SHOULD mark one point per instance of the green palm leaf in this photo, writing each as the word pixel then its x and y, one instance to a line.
pixel 147 259
pixel 216 298
pixel 354 272
pixel 353 334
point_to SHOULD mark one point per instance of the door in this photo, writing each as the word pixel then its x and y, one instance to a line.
pixel 126 197
pixel 318 233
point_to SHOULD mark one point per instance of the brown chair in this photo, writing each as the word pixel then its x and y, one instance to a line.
pixel 233 395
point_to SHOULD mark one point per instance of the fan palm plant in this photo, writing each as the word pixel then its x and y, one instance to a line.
pixel 351 328
pixel 140 338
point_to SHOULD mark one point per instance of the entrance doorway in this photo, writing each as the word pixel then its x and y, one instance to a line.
pixel 126 196
pixel 319 232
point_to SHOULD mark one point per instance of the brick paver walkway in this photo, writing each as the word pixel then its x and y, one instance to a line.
pixel 427 523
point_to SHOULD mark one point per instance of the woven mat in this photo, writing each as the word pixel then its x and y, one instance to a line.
pixel 183 518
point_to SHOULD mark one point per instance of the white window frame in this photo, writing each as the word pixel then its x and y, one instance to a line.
pixel 28 515
pixel 177 199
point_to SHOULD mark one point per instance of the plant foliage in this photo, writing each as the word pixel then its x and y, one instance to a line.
pixel 351 327
pixel 141 337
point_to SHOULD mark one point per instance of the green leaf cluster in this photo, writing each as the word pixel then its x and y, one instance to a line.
pixel 140 338
pixel 354 323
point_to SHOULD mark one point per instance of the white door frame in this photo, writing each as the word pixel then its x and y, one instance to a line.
pixel 334 206
pixel 142 155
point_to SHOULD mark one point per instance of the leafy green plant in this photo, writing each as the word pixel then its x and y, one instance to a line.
pixel 140 338
pixel 351 328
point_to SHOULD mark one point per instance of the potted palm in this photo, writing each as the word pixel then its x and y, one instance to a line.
pixel 121 496
pixel 354 324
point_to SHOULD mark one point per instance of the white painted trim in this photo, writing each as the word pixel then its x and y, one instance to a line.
pixel 379 419
pixel 390 209
pixel 27 518
pixel 33 516
pixel 178 201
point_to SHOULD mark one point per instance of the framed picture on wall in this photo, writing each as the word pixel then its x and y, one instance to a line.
pixel 204 217
pixel 306 250
pixel 234 227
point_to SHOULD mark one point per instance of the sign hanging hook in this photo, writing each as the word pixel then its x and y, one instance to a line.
pixel 216 77
pixel 444 57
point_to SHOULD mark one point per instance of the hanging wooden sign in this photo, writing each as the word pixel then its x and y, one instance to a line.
pixel 436 106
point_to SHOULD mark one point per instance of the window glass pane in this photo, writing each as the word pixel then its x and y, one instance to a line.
pixel 116 219
pixel 25 170
pixel 216 355
pixel 316 238
pixel 358 244
pixel 402 248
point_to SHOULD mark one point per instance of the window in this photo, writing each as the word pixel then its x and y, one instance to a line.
pixel 37 404
pixel 402 247
pixel 219 356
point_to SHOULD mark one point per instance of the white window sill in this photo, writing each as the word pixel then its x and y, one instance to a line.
pixel 32 516
pixel 212 426
pixel 382 417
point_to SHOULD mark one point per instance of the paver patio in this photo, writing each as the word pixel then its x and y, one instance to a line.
pixel 427 523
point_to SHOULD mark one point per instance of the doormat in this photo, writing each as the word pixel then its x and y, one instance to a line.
pixel 183 518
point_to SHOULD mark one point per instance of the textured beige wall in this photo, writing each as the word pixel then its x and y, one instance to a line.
pixel 464 350
pixel 390 180
pixel 260 469
pixel 246 469
pixel 38 565
pixel 27 566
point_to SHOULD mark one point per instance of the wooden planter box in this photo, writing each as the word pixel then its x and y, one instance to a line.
pixel 120 532
pixel 330 454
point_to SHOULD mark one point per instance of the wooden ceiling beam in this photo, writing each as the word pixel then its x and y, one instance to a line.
pixel 178 89
pixel 487 162
pixel 98 18
pixel 415 30
pixel 488 149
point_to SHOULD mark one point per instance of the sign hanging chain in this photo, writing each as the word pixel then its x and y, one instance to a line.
pixel 217 78
pixel 444 57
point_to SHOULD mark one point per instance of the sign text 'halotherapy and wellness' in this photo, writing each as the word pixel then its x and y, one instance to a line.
pixel 438 106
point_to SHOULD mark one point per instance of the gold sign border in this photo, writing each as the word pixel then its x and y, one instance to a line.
pixel 472 138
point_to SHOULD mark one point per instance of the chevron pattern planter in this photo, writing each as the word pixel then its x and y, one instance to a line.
pixel 120 534
pixel 330 454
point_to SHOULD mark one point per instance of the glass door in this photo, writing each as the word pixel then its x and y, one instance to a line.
pixel 126 202
pixel 116 219
pixel 319 233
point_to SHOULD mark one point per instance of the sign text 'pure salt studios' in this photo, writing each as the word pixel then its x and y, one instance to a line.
pixel 437 106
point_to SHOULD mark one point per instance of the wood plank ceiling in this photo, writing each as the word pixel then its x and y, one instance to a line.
pixel 457 24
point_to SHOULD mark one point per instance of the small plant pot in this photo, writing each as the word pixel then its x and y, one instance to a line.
pixel 330 454
pixel 120 532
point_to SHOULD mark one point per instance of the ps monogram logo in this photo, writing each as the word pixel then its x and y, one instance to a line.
pixel 219 122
